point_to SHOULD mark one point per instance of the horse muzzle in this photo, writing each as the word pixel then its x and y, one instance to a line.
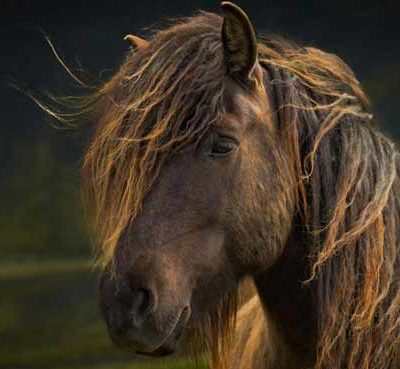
pixel 145 336
pixel 142 317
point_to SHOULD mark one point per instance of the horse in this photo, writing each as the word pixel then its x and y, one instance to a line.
pixel 219 155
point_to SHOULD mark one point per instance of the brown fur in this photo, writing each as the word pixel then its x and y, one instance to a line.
pixel 327 283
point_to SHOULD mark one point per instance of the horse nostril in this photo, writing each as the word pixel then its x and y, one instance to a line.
pixel 142 304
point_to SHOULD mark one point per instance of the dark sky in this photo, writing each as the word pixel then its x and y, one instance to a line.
pixel 366 34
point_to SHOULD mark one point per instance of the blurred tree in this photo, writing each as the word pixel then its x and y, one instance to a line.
pixel 40 214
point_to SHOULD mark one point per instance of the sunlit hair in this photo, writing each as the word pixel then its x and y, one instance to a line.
pixel 349 201
pixel 161 99
pixel 166 96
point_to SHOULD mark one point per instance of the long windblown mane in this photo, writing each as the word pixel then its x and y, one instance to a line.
pixel 172 92
pixel 166 96
pixel 349 200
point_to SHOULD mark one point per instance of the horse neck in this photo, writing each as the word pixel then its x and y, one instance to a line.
pixel 288 306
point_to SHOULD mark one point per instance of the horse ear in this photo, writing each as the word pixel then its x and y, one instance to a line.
pixel 239 41
pixel 136 42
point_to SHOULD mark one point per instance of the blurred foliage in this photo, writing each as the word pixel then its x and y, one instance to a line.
pixel 41 215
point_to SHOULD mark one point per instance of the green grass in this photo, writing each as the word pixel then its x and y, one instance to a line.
pixel 49 319
pixel 159 364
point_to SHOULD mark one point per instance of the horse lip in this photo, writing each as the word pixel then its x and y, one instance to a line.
pixel 168 346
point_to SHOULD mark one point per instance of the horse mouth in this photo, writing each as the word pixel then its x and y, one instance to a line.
pixel 169 346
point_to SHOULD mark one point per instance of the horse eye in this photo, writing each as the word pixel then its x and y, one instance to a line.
pixel 222 147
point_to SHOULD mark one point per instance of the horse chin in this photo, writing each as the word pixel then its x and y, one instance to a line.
pixel 162 351
pixel 172 342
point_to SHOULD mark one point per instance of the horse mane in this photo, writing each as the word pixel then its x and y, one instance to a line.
pixel 172 91
pixel 348 191
pixel 348 197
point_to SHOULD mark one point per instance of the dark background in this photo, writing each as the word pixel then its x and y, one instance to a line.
pixel 48 312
